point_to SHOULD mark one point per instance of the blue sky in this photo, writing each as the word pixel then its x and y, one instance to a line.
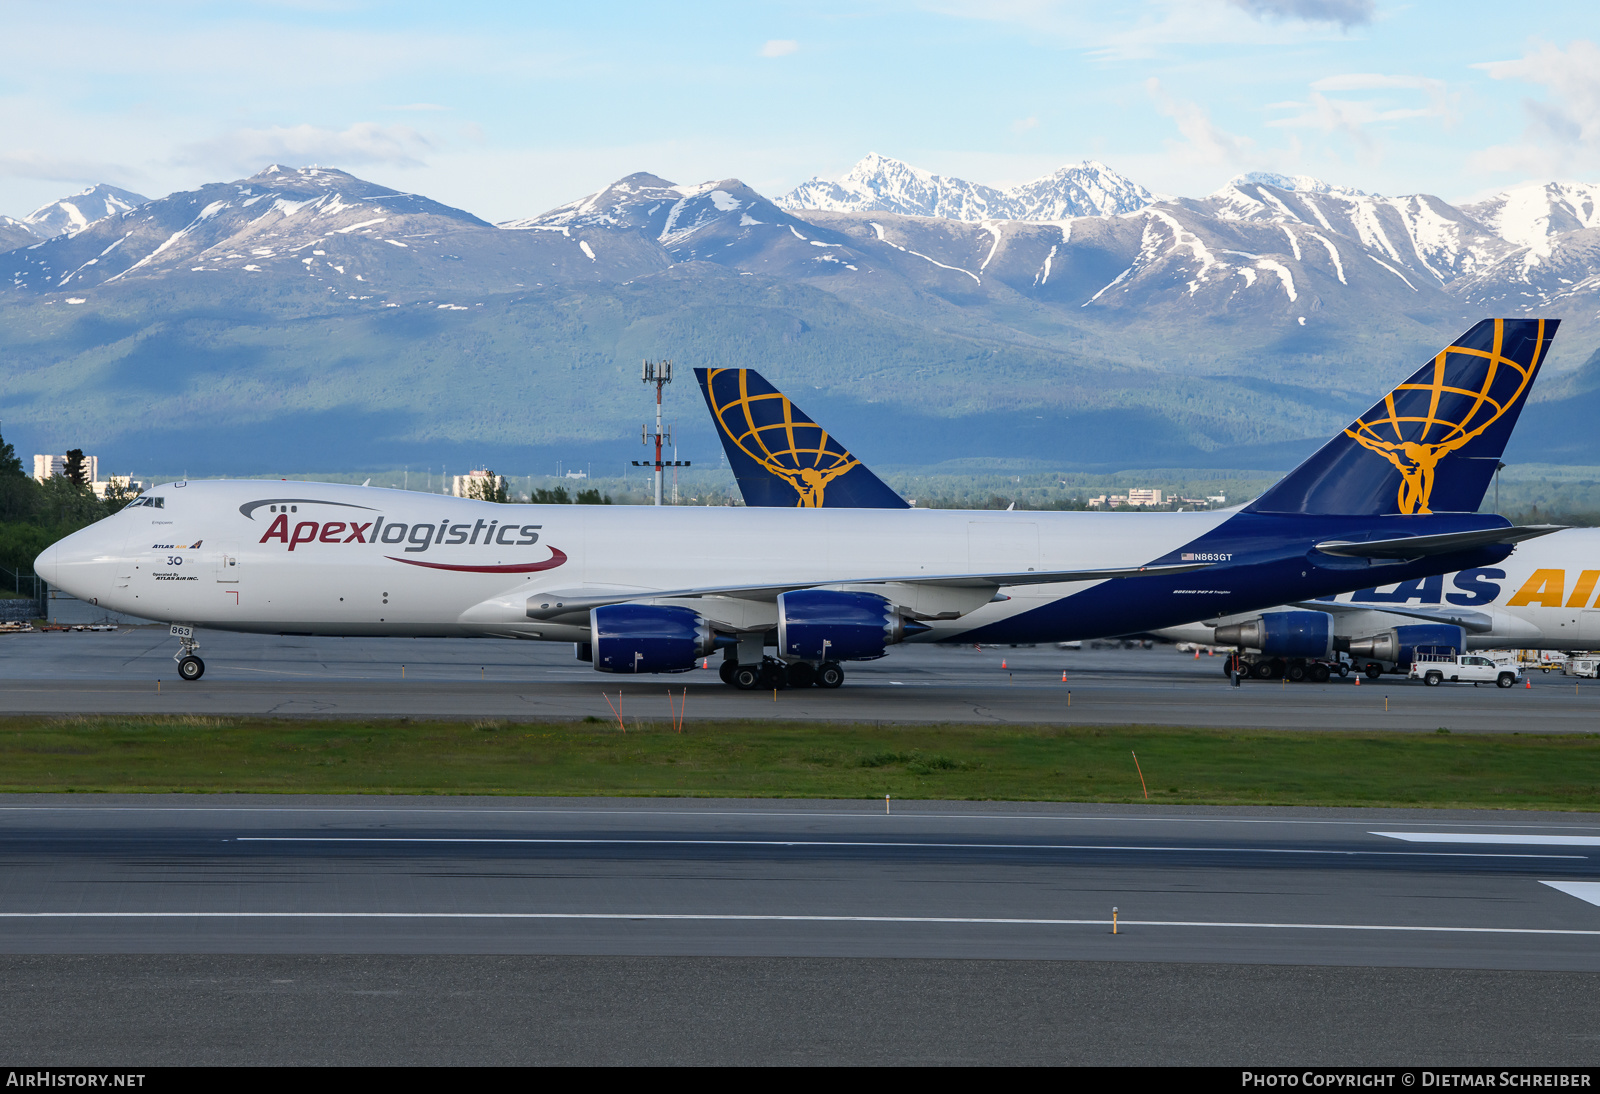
pixel 507 109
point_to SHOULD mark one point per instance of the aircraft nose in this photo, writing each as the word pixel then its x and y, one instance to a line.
pixel 48 563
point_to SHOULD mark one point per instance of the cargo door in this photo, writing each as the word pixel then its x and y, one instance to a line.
pixel 1002 546
pixel 1589 629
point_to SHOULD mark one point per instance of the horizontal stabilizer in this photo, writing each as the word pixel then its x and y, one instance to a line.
pixel 1445 543
pixel 1465 618
pixel 552 605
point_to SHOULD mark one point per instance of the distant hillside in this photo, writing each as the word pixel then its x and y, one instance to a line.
pixel 307 319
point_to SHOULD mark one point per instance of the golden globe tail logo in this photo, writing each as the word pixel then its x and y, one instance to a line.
pixel 1421 422
pixel 800 453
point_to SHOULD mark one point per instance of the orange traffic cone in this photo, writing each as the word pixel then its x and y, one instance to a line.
pixel 1527 682
pixel 706 663
pixel 1002 662
pixel 1358 679
pixel 1063 676
pixel 1197 653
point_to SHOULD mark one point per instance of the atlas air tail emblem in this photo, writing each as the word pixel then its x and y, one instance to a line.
pixel 799 452
pixel 1415 438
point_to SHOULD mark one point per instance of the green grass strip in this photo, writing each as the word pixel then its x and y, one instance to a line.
pixel 788 759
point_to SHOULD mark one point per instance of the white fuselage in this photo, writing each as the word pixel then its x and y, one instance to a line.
pixel 295 557
pixel 1545 596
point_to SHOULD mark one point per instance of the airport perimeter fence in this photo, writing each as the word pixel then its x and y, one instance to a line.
pixel 28 596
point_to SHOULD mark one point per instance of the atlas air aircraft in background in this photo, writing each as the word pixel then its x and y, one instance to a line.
pixel 649 590
pixel 1543 598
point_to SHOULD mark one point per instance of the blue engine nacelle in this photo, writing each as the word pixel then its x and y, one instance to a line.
pixel 1282 634
pixel 647 638
pixel 1402 644
pixel 820 625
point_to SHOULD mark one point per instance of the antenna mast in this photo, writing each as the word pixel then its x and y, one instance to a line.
pixel 658 373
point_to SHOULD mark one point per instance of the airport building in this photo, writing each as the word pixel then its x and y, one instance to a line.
pixel 460 483
pixel 47 467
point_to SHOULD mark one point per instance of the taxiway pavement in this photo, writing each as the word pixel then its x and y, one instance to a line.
pixel 131 671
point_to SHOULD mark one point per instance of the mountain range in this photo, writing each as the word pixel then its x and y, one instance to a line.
pixel 306 319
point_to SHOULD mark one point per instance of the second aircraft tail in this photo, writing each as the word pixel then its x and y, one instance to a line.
pixel 779 455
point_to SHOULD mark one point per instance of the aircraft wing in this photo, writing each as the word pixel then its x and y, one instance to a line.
pixel 551 605
pixel 1443 544
pixel 1476 622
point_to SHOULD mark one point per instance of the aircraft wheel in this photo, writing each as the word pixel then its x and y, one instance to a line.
pixel 747 677
pixel 1296 672
pixel 726 671
pixel 830 675
pixel 1319 674
pixel 802 674
pixel 1505 680
pixel 191 668
pixel 1261 670
pixel 1373 670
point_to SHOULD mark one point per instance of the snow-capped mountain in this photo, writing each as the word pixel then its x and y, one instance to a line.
pixel 279 217
pixel 78 211
pixel 15 233
pixel 723 221
pixel 880 184
pixel 1531 214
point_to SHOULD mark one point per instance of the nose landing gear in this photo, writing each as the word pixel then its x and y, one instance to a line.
pixel 190 667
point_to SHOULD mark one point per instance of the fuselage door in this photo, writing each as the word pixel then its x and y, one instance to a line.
pixel 228 565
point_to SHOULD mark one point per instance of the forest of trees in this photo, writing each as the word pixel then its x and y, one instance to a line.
pixel 33 515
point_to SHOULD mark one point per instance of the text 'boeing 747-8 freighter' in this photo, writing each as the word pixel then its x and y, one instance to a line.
pixel 649 590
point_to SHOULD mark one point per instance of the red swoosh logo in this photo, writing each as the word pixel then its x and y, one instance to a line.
pixel 556 558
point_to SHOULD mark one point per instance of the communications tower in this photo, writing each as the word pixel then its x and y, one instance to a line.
pixel 658 373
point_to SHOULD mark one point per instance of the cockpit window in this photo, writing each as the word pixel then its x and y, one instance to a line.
pixel 154 503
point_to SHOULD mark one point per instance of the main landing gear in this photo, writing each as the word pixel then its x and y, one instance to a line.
pixel 190 667
pixel 771 673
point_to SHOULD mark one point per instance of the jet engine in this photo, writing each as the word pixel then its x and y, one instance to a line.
pixel 819 625
pixel 648 638
pixel 1401 644
pixel 1282 634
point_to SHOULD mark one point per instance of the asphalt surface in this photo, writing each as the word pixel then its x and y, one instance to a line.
pixel 130 1012
pixel 132 671
pixel 345 930
pixel 782 878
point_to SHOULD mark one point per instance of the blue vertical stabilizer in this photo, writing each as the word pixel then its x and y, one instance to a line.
pixel 779 455
pixel 1432 444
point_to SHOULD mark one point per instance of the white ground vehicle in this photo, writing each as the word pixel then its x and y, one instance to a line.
pixel 1582 666
pixel 1469 668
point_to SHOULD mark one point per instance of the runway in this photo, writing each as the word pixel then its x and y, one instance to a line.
pixel 932 880
pixel 131 671
pixel 304 930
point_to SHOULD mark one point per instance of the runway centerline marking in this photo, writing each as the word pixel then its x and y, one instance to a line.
pixel 1588 891
pixel 1528 840
pixel 717 917
pixel 882 843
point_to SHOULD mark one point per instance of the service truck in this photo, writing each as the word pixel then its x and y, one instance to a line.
pixel 1434 669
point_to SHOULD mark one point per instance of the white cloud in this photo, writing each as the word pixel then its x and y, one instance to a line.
pixel 365 143
pixel 780 47
pixel 28 164
pixel 1022 125
pixel 1563 131
pixel 1346 13
pixel 1203 141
